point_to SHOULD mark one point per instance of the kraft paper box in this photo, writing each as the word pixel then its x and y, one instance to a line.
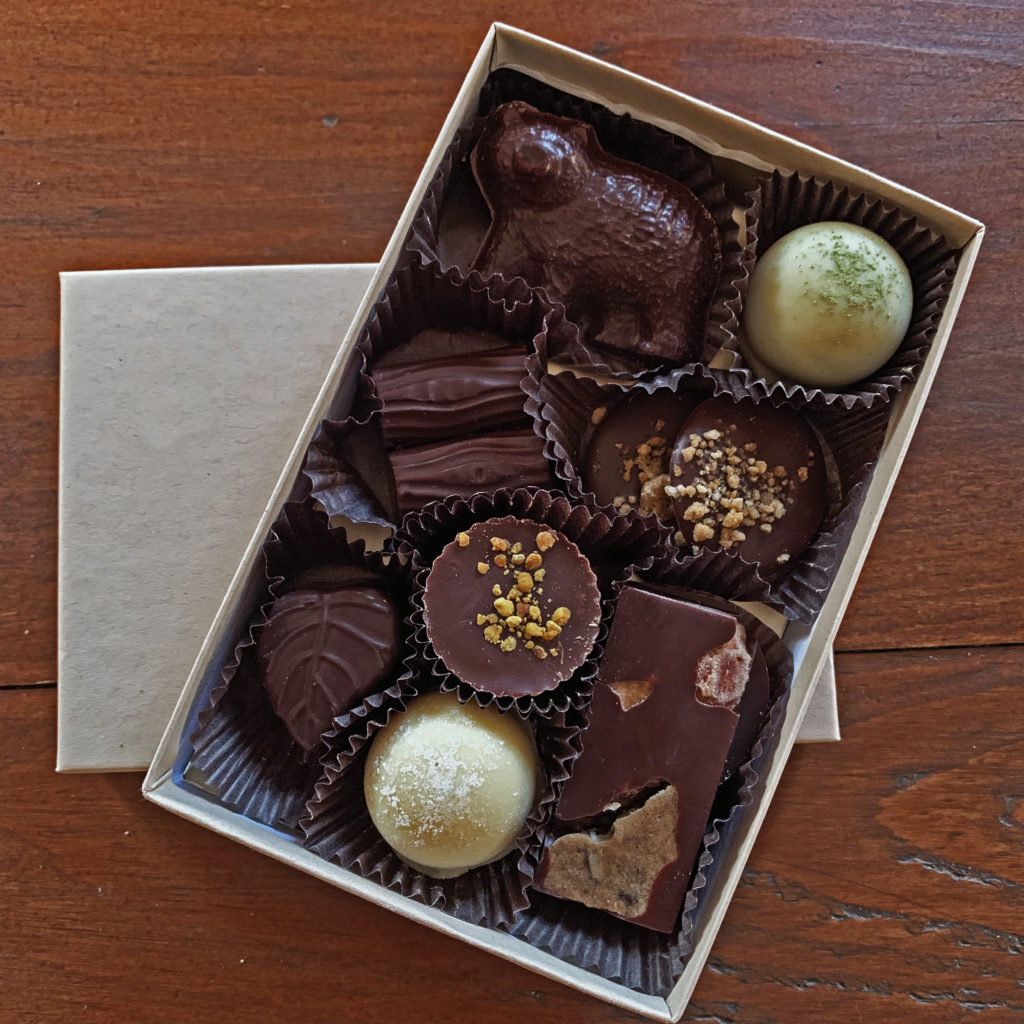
pixel 158 367
pixel 747 149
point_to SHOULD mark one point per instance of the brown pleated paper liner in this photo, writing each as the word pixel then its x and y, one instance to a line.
pixel 614 545
pixel 636 957
pixel 241 747
pixel 347 463
pixel 338 827
pixel 780 204
pixel 453 218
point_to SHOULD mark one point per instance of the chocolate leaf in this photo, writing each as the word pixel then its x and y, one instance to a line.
pixel 322 651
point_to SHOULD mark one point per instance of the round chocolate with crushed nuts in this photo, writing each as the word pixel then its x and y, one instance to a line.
pixel 511 607
pixel 750 479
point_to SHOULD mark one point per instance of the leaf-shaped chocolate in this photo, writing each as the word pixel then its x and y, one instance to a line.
pixel 322 651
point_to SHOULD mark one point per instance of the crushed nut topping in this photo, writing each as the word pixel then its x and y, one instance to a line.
pixel 517 612
pixel 735 491
pixel 650 461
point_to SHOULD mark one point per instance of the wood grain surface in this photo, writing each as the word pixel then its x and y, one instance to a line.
pixel 888 884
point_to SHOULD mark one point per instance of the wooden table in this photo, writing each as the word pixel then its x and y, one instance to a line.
pixel 888 884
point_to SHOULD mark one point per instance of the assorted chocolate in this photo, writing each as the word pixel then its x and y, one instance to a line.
pixel 660 725
pixel 450 397
pixel 828 305
pixel 511 607
pixel 322 651
pixel 450 786
pixel 455 406
pixel 625 460
pixel 505 458
pixel 633 254
pixel 750 479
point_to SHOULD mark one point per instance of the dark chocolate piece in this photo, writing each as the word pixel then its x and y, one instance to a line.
pixel 629 251
pixel 627 455
pixel 324 650
pixel 442 399
pixel 511 607
pixel 748 478
pixel 429 472
pixel 651 731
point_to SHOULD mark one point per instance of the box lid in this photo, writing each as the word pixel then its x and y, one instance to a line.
pixel 182 393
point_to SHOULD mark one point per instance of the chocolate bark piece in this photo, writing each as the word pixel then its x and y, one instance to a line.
pixel 651 731
pixel 429 472
pixel 750 479
pixel 322 651
pixel 626 459
pixel 631 253
pixel 446 398
pixel 511 607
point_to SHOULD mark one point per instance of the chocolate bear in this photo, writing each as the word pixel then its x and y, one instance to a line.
pixel 634 255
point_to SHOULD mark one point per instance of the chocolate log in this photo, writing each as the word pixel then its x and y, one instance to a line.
pixel 440 399
pixel 322 651
pixel 660 725
pixel 429 472
pixel 631 253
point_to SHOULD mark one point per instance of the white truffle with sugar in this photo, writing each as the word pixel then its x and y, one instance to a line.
pixel 828 305
pixel 449 786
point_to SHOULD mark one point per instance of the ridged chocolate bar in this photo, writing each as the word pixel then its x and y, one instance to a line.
pixel 440 399
pixel 429 472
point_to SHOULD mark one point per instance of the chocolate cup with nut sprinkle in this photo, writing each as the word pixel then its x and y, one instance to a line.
pixel 454 218
pixel 337 825
pixel 438 408
pixel 575 414
pixel 612 545
pixel 782 203
pixel 637 957
pixel 257 746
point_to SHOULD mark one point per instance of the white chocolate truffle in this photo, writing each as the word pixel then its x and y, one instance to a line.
pixel 828 305
pixel 449 786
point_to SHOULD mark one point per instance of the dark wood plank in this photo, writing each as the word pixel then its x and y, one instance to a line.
pixel 887 885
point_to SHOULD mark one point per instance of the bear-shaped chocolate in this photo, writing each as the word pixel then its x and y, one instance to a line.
pixel 633 255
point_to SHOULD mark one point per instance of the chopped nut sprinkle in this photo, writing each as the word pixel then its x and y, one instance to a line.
pixel 518 612
pixel 735 492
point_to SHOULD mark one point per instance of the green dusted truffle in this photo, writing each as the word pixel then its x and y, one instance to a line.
pixel 828 305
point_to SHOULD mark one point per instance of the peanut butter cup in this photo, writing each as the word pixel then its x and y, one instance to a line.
pixel 511 607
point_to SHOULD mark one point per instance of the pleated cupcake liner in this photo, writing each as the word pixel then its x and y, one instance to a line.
pixel 566 406
pixel 614 545
pixel 622 136
pixel 636 957
pixel 783 202
pixel 241 747
pixel 347 463
pixel 337 827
